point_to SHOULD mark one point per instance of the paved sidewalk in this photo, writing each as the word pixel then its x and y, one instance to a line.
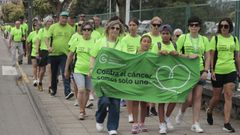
pixel 62 116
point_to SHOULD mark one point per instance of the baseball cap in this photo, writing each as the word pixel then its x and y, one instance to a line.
pixel 64 13
pixel 166 27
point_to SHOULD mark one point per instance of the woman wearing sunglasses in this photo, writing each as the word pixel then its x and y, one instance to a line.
pixel 81 50
pixel 154 33
pixel 224 68
pixel 111 40
pixel 193 43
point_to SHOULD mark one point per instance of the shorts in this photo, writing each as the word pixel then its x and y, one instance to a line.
pixel 43 58
pixel 222 79
pixel 82 81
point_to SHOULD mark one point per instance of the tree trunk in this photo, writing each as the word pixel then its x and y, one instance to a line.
pixel 122 8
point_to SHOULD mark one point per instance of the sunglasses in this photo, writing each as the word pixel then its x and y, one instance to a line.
pixel 194 24
pixel 87 29
pixel 82 16
pixel 178 35
pixel 154 25
pixel 225 26
pixel 115 28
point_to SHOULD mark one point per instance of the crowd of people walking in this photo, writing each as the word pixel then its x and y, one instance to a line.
pixel 69 48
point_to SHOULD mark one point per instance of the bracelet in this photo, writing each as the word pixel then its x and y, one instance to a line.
pixel 205 71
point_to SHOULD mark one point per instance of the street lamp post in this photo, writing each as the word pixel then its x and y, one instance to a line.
pixel 29 24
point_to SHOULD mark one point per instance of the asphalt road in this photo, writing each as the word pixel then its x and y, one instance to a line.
pixel 17 113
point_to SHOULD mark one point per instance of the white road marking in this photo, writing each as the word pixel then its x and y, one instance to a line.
pixel 9 70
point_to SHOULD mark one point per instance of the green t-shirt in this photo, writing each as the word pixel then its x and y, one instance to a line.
pixel 170 47
pixel 32 37
pixel 191 45
pixel 76 37
pixel 130 44
pixel 61 36
pixel 104 43
pixel 17 34
pixel 41 36
pixel 225 46
pixel 82 51
pixel 24 27
pixel 155 39
pixel 95 35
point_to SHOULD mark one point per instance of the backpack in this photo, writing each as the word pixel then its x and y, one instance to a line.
pixel 160 45
pixel 216 52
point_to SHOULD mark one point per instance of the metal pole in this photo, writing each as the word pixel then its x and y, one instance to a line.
pixel 29 25
pixel 127 16
pixel 237 21
pixel 140 10
pixel 110 8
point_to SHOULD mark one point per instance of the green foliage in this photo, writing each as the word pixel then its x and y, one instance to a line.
pixel 42 7
pixel 12 12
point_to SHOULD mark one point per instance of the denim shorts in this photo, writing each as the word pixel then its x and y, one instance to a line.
pixel 83 81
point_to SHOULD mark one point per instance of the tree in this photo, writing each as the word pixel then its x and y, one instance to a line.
pixel 12 12
pixel 42 7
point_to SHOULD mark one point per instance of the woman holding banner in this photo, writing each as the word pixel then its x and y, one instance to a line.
pixel 130 44
pixel 112 32
pixel 194 43
pixel 165 47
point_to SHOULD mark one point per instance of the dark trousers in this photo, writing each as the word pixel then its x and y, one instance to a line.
pixel 56 63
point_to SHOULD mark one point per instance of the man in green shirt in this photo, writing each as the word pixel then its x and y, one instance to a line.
pixel 24 28
pixel 60 33
pixel 15 42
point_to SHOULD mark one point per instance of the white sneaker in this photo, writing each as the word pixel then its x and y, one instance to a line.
pixel 130 118
pixel 76 103
pixel 179 117
pixel 196 128
pixel 112 132
pixel 35 83
pixel 169 123
pixel 99 127
pixel 163 128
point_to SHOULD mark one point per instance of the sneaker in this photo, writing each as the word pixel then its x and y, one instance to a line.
pixel 163 128
pixel 135 128
pixel 81 116
pixel 169 123
pixel 153 111
pixel 179 117
pixel 89 105
pixel 209 117
pixel 143 128
pixel 91 97
pixel 20 62
pixel 228 127
pixel 112 132
pixel 70 95
pixel 76 103
pixel 130 118
pixel 35 83
pixel 196 128
pixel 40 88
pixel 123 103
pixel 99 127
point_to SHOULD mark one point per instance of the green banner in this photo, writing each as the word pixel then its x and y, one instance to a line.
pixel 144 77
